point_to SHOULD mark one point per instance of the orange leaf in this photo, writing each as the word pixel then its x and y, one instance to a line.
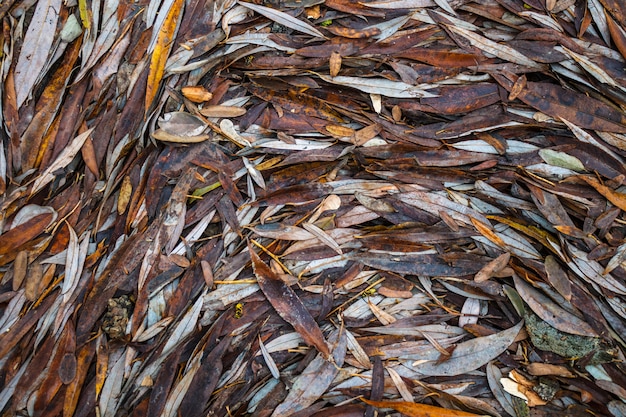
pixel 617 33
pixel 353 33
pixel 486 231
pixel 418 410
pixel 102 363
pixel 162 49
pixel 88 152
pixel 46 109
pixel 74 388
pixel 196 93
pixel 618 199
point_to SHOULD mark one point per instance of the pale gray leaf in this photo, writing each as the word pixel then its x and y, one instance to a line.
pixel 315 379
pixel 284 19
pixel 471 355
pixel 384 87
pixel 64 158
pixel 36 48
pixel 501 51
pixel 400 4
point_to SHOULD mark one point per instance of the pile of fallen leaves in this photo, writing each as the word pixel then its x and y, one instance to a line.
pixel 313 208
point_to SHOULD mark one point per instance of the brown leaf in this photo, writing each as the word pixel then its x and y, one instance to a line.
pixel 351 33
pixel 493 267
pixel 74 389
pixel 123 199
pixel 457 99
pixel 558 277
pixel 20 266
pixel 617 198
pixel 618 34
pixel 222 111
pixel 33 141
pixel 557 102
pixel 25 232
pixel 288 305
pixel 550 312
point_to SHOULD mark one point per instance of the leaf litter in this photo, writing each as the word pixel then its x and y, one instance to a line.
pixel 313 208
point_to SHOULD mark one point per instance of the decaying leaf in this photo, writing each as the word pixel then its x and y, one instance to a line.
pixel 315 378
pixel 288 305
pixel 415 177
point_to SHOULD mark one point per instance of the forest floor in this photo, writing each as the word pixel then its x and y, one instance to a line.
pixel 313 208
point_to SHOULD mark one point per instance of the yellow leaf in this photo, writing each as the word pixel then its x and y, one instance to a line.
pixel 339 131
pixel 418 410
pixel 102 366
pixel 543 237
pixel 85 14
pixel 165 40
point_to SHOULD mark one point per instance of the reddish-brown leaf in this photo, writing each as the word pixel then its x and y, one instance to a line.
pixel 83 360
pixel 23 233
pixel 288 305
pixel 577 108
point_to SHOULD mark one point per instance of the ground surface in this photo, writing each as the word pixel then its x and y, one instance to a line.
pixel 330 208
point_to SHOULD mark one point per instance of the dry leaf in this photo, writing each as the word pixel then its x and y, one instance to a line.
pixel 288 305
pixel 196 94
pixel 163 46
pixel 418 410
pixel 335 63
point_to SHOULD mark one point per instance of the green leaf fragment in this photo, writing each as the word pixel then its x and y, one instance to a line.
pixel 202 191
pixel 546 337
pixel 561 159
pixel 71 30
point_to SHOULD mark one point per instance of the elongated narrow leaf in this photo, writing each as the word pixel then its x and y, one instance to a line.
pixel 380 86
pixel 418 410
pixel 62 160
pixel 184 326
pixel 472 354
pixel 36 48
pixel 501 51
pixel 162 48
pixel 550 312
pixel 315 379
pixel 578 108
pixel 284 19
pixel 615 197
pixel 399 4
pixel 288 305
